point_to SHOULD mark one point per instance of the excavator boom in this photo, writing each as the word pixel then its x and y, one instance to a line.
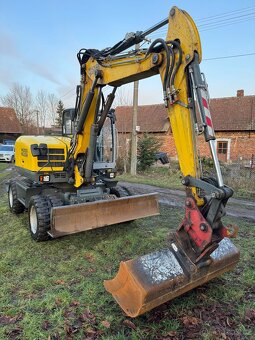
pixel 200 249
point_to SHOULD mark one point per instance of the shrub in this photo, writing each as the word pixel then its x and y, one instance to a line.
pixel 147 147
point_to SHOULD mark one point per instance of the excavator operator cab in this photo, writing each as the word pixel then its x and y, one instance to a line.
pixel 68 122
pixel 106 145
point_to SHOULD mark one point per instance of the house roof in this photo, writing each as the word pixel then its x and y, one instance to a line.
pixel 233 113
pixel 228 114
pixel 150 118
pixel 9 122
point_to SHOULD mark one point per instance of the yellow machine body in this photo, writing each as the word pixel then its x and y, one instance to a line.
pixel 57 147
pixel 49 168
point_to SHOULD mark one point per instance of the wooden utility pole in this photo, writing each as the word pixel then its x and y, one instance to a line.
pixel 134 126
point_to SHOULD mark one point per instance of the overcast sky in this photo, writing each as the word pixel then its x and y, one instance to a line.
pixel 39 41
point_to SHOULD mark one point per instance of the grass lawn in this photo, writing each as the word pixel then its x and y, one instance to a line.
pixel 159 176
pixel 171 178
pixel 54 290
pixel 3 172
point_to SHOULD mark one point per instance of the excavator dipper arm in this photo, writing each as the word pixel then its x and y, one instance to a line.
pixel 197 251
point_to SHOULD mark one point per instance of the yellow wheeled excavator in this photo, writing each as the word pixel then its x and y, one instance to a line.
pixel 57 197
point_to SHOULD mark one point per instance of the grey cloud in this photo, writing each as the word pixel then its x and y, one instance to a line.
pixel 67 93
pixel 41 71
pixel 7 46
pixel 7 76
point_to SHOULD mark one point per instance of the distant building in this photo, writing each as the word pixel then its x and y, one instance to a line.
pixel 9 124
pixel 233 120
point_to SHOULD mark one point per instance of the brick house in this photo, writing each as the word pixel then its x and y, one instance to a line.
pixel 233 119
pixel 9 124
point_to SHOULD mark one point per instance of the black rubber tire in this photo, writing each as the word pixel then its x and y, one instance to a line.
pixel 39 217
pixel 12 160
pixel 16 207
pixel 55 201
pixel 120 191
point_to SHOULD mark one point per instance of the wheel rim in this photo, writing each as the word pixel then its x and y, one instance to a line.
pixel 10 198
pixel 33 219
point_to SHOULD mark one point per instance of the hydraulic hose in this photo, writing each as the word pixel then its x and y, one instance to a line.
pixel 166 48
pixel 174 71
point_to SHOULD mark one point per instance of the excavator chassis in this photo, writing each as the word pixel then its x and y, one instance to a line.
pixel 69 211
pixel 153 279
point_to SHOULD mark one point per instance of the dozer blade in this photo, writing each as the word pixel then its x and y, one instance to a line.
pixel 153 279
pixel 80 217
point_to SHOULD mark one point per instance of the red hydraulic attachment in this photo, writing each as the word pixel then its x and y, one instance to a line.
pixel 196 225
pixel 203 238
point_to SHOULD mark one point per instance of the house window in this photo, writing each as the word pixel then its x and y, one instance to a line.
pixel 222 147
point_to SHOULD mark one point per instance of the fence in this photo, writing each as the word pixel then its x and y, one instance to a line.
pixel 241 174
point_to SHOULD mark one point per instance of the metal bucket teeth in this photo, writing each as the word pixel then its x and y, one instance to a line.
pixel 150 280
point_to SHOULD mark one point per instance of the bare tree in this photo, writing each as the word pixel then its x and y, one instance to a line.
pixel 20 99
pixel 41 105
pixel 123 98
pixel 52 106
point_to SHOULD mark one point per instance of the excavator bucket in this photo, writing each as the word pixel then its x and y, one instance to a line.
pixel 81 217
pixel 153 279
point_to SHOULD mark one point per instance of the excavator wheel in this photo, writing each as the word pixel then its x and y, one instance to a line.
pixel 120 191
pixel 55 201
pixel 16 207
pixel 39 217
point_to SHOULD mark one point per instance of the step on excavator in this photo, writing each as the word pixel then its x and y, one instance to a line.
pixel 66 189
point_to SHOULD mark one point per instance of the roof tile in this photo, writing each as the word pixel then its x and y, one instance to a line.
pixel 150 118
pixel 228 114
pixel 9 122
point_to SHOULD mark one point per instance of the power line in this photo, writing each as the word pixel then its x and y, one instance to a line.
pixel 73 89
pixel 230 56
pixel 211 23
pixel 205 59
pixel 238 17
pixel 209 26
pixel 226 24
pixel 203 29
pixel 226 14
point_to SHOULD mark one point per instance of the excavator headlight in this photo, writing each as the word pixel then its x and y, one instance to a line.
pixel 44 178
pixel 110 173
